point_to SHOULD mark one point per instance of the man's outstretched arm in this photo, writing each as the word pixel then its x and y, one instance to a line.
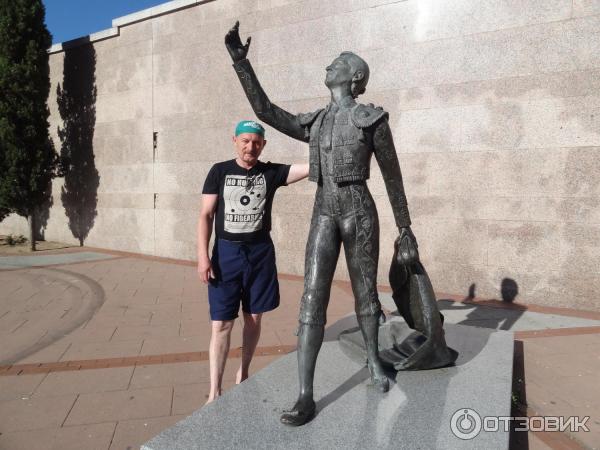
pixel 297 172
pixel 266 111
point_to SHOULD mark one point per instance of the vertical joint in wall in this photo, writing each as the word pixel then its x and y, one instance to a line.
pixel 154 144
pixel 155 199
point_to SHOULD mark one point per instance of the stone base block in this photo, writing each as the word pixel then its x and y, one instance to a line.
pixel 415 413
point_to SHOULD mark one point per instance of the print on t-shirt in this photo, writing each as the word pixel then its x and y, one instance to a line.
pixel 245 199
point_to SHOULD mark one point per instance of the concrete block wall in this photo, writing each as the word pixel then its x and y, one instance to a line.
pixel 494 106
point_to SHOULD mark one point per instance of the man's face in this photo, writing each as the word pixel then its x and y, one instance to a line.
pixel 338 72
pixel 249 146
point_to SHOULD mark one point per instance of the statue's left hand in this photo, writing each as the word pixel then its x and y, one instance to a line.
pixel 407 247
pixel 236 49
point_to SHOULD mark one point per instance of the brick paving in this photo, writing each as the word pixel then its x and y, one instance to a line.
pixel 561 376
pixel 105 353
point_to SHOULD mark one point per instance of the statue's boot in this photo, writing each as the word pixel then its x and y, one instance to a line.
pixel 369 326
pixel 310 338
pixel 302 412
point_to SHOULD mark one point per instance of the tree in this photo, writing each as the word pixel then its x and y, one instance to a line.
pixel 27 154
pixel 3 211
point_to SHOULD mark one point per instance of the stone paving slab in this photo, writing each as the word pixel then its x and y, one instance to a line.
pixel 51 353
pixel 88 437
pixel 164 374
pixel 121 405
pixel 130 433
pixel 17 388
pixel 84 381
pixel 187 397
pixel 35 413
pixel 98 350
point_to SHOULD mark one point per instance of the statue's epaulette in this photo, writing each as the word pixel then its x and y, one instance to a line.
pixel 364 116
pixel 308 118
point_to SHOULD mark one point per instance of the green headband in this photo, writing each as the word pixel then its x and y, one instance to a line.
pixel 249 126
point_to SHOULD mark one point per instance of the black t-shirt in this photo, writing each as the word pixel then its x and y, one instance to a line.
pixel 245 198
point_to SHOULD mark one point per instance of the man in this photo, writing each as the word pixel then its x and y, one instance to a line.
pixel 239 193
pixel 342 137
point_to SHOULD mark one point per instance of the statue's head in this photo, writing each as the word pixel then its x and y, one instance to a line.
pixel 348 68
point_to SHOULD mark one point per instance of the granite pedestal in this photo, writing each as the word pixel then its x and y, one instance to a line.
pixel 415 413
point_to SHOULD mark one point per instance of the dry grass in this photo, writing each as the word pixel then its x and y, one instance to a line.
pixel 24 248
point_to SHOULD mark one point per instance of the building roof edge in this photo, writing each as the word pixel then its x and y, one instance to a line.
pixel 122 21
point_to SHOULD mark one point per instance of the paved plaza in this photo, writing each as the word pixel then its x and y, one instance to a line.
pixel 103 350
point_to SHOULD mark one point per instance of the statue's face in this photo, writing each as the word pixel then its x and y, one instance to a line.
pixel 339 72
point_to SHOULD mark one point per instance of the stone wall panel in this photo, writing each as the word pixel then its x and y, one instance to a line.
pixel 493 104
pixel 585 7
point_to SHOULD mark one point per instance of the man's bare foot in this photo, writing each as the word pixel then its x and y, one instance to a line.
pixel 212 397
pixel 240 376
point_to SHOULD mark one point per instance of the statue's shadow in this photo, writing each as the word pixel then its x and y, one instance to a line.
pixel 425 390
pixel 469 341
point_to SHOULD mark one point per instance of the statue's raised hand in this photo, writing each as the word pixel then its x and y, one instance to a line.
pixel 407 247
pixel 236 49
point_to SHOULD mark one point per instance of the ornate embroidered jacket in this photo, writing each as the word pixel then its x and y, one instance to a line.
pixel 353 142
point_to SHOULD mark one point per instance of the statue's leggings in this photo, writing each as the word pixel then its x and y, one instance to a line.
pixel 345 215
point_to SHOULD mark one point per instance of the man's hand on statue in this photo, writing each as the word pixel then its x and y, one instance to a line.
pixel 234 45
pixel 205 271
pixel 407 247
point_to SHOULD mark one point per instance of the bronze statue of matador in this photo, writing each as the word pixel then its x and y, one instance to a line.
pixel 341 137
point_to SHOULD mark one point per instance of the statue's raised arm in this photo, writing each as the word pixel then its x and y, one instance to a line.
pixel 266 111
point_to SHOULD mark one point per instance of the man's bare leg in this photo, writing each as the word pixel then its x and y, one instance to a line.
pixel 251 335
pixel 217 355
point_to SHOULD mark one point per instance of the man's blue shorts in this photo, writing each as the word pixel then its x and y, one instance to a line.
pixel 244 273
